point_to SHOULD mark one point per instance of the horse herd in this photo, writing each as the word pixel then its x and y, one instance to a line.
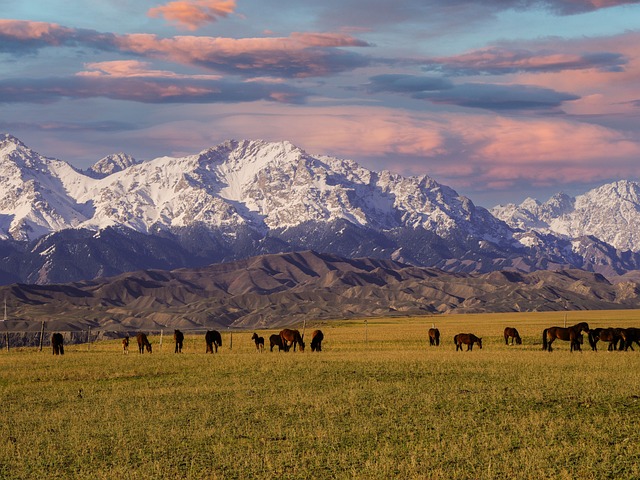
pixel 284 341
pixel 617 338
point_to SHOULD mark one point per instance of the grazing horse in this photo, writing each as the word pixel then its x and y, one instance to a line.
pixel 259 342
pixel 57 344
pixel 572 334
pixel 125 345
pixel 468 339
pixel 630 335
pixel 178 338
pixel 276 341
pixel 213 340
pixel 292 336
pixel 512 333
pixel 143 342
pixel 316 340
pixel 434 337
pixel 611 335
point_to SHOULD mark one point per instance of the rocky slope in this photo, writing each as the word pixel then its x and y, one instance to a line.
pixel 276 290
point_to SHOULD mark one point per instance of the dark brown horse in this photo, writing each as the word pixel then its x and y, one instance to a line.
pixel 276 341
pixel 316 340
pixel 178 338
pixel 468 339
pixel 143 342
pixel 630 335
pixel 57 344
pixel 571 334
pixel 259 342
pixel 213 340
pixel 434 337
pixel 291 337
pixel 125 345
pixel 611 335
pixel 512 333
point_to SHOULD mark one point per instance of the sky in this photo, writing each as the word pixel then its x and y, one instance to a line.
pixel 500 99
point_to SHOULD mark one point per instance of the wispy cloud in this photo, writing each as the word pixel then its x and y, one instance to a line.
pixel 144 88
pixel 306 54
pixel 502 61
pixel 472 95
pixel 193 14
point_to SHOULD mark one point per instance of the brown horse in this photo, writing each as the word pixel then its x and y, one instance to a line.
pixel 291 337
pixel 434 337
pixel 468 339
pixel 125 345
pixel 512 333
pixel 571 334
pixel 611 335
pixel 213 340
pixel 276 341
pixel 143 342
pixel 259 342
pixel 178 338
pixel 316 340
pixel 57 344
pixel 630 335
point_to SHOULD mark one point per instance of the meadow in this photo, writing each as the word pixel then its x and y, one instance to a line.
pixel 377 402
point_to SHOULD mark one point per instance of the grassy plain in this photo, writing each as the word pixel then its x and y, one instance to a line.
pixel 376 403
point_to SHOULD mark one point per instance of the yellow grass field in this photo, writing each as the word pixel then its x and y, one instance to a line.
pixel 377 402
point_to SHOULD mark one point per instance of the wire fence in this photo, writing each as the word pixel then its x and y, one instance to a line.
pixel 24 333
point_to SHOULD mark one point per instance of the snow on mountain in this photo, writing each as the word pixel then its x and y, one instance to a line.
pixel 255 184
pixel 111 164
pixel 243 198
pixel 610 213
pixel 36 197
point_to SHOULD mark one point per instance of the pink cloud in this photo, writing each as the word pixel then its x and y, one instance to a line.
pixel 456 149
pixel 298 55
pixel 193 14
pixel 134 68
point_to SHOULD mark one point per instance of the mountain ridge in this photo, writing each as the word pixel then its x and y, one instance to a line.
pixel 271 291
pixel 248 197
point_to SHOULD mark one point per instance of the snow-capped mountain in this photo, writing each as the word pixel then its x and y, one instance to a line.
pixel 245 198
pixel 264 186
pixel 610 213
pixel 111 164
pixel 35 199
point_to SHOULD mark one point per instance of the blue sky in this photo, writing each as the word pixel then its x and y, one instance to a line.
pixel 497 99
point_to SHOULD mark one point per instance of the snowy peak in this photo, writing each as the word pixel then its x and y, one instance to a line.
pixel 610 213
pixel 111 164
pixel 256 184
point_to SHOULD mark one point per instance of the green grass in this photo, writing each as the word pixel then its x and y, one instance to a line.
pixel 390 407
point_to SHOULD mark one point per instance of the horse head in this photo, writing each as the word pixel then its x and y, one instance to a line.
pixel 479 342
pixel 582 327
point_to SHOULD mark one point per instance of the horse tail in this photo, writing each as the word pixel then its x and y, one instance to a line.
pixel 544 339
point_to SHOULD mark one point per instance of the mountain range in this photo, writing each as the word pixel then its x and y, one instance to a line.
pixel 271 291
pixel 238 199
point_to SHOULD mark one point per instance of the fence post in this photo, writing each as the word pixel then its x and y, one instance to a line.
pixel 161 335
pixel 88 340
pixel 6 339
pixel 41 335
pixel 230 340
